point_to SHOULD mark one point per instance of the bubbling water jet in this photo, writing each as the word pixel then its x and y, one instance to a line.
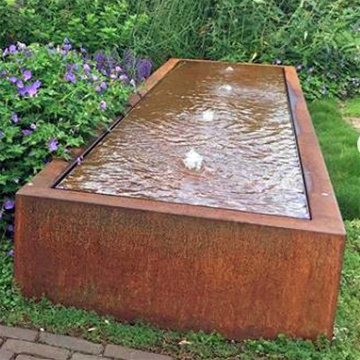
pixel 226 87
pixel 208 115
pixel 193 160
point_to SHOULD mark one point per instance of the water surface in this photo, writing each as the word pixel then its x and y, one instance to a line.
pixel 238 121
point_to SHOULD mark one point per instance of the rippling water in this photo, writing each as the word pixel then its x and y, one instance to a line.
pixel 238 121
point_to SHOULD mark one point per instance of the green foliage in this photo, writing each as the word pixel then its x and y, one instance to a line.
pixel 15 310
pixel 50 103
pixel 174 28
pixel 338 141
pixel 319 36
pixel 96 24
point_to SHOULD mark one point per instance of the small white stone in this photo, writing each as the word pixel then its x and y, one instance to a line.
pixel 229 69
pixel 193 160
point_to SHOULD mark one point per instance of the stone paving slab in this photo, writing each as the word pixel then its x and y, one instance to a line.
pixel 27 357
pixel 123 353
pixel 71 343
pixel 78 356
pixel 45 351
pixel 17 333
pixel 24 344
pixel 6 354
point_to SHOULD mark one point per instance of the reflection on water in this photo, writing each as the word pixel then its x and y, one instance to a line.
pixel 236 117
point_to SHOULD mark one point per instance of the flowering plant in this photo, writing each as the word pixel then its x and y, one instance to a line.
pixel 52 99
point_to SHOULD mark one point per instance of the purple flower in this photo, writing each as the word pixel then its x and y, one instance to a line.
pixel 12 79
pixel 32 89
pixel 23 91
pixel 27 132
pixel 87 68
pixel 103 85
pixel 100 60
pixel 21 46
pixel 10 228
pixel 83 50
pixel 67 44
pixel 277 61
pixel 5 52
pixel 11 252
pixel 103 105
pixel 70 77
pixel 9 204
pixel 124 78
pixel 99 57
pixel 33 126
pixel 12 49
pixel 94 78
pixel 27 75
pixel 98 89
pixel 15 118
pixel 299 67
pixel 53 144
pixel 20 84
pixel 143 69
pixel 3 73
pixel 118 69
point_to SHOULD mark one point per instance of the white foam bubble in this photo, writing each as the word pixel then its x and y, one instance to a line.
pixel 226 87
pixel 193 160
pixel 208 115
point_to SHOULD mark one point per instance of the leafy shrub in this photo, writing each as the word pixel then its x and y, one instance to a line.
pixel 54 99
pixel 320 37
pixel 96 24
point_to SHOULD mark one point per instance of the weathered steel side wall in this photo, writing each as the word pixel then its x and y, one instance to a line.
pixel 178 271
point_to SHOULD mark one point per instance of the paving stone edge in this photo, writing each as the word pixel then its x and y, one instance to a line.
pixel 25 344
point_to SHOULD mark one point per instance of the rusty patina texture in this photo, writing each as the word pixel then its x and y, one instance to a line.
pixel 181 266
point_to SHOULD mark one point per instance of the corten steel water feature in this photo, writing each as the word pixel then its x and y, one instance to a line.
pixel 133 233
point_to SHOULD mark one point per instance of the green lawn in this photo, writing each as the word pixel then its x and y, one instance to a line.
pixel 338 141
pixel 352 108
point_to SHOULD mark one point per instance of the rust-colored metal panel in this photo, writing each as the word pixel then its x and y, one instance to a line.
pixel 181 266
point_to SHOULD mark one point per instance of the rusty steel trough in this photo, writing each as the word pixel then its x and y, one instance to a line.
pixel 183 266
